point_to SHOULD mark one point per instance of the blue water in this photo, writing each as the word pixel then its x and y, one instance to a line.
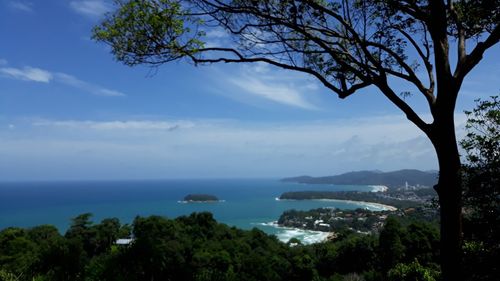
pixel 248 203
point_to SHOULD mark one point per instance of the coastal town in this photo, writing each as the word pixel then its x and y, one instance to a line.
pixel 361 221
pixel 414 202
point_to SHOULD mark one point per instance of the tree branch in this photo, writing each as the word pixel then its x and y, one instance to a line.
pixel 429 93
pixel 476 55
pixel 403 106
pixel 239 58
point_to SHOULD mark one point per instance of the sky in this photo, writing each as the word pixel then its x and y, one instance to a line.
pixel 69 111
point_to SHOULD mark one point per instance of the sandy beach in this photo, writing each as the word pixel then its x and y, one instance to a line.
pixel 378 206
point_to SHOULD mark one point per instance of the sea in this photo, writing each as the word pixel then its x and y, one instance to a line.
pixel 245 203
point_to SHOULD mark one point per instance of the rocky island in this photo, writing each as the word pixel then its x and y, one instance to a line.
pixel 200 198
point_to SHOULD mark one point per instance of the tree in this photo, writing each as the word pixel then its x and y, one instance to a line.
pixel 482 170
pixel 347 45
pixel 412 271
pixel 482 191
pixel 391 249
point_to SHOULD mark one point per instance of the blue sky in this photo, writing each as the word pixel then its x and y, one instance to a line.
pixel 69 111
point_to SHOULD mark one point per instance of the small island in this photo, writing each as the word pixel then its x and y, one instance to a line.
pixel 200 198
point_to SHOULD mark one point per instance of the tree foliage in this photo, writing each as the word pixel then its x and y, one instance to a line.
pixel 196 247
pixel 482 190
pixel 411 272
pixel 482 170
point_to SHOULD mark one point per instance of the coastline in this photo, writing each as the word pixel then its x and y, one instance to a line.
pixel 377 206
pixel 307 237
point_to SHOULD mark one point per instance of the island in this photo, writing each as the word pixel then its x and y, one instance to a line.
pixel 193 198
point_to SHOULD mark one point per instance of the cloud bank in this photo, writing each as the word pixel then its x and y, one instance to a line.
pixel 128 148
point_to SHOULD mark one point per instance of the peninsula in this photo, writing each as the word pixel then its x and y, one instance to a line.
pixel 415 204
pixel 402 178
pixel 356 196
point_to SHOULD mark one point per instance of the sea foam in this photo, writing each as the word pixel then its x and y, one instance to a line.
pixel 379 188
pixel 307 237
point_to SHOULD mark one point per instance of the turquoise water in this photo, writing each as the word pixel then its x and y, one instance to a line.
pixel 248 203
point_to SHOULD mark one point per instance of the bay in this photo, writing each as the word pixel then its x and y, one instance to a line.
pixel 247 203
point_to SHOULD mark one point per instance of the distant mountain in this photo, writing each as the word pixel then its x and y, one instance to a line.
pixel 391 179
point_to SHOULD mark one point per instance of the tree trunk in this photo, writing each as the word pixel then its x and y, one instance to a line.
pixel 449 189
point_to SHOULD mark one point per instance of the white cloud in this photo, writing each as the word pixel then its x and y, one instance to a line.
pixel 109 93
pixel 27 74
pixel 274 91
pixel 117 125
pixel 217 37
pixel 91 8
pixel 40 75
pixel 88 87
pixel 261 81
pixel 21 6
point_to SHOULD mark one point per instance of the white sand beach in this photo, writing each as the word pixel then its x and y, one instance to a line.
pixel 369 205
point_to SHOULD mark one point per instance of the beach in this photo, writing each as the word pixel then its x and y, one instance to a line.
pixel 367 205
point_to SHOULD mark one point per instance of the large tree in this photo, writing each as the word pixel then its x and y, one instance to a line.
pixel 347 45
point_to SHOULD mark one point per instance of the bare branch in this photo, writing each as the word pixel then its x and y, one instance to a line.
pixel 429 93
pixel 461 33
pixel 239 58
pixel 411 77
pixel 476 55
pixel 403 106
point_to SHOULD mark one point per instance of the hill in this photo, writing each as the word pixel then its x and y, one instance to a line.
pixel 392 179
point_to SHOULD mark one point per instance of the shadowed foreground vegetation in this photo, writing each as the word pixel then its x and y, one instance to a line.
pixel 196 247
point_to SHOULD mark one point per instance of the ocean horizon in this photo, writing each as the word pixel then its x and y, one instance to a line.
pixel 247 203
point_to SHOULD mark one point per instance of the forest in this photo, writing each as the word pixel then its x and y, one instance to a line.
pixel 196 247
